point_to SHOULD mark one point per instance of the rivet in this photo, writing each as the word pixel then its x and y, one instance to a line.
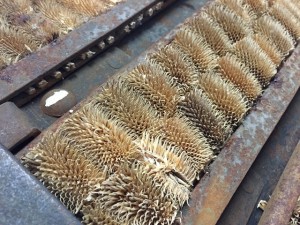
pixel 133 24
pixel 111 39
pixel 42 84
pixel 159 6
pixel 57 75
pixel 150 12
pixel 127 29
pixel 101 45
pixel 31 91
pixel 70 66
pixel 140 18
pixel 89 54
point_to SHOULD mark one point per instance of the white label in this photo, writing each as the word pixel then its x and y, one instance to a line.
pixel 57 96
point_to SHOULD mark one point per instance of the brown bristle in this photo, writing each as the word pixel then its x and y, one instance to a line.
pixel 62 16
pixel 292 6
pixel 2 62
pixel 193 45
pixel 135 195
pixel 258 7
pixel 269 48
pixel 212 33
pixel 275 32
pixel 18 7
pixel 287 19
pixel 157 152
pixel 105 143
pixel 258 62
pixel 94 215
pixel 233 25
pixel 179 132
pixel 154 85
pixel 177 65
pixel 239 75
pixel 63 170
pixel 225 96
pixel 238 7
pixel 86 7
pixel 125 106
pixel 200 111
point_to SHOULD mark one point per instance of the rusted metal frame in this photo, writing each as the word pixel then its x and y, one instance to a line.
pixel 214 191
pixel 32 75
pixel 284 198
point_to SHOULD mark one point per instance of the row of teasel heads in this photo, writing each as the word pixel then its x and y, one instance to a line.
pixel 132 153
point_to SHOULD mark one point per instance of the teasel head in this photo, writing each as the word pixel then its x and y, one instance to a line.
pixel 63 170
pixel 257 61
pixel 103 141
pixel 276 33
pixel 135 195
pixel 93 214
pixel 2 63
pixel 258 7
pixel 180 132
pixel 211 32
pixel 269 48
pixel 60 15
pixel 155 86
pixel 195 47
pixel 202 114
pixel 284 16
pixel 293 6
pixel 227 98
pixel 177 65
pixel 234 26
pixel 234 71
pixel 127 108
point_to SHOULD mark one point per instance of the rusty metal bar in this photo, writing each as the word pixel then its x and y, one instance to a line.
pixel 33 74
pixel 216 188
pixel 284 198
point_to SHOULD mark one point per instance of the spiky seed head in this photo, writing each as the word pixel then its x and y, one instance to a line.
pixel 269 48
pixel 126 107
pixel 233 25
pixel 63 170
pixel 94 215
pixel 275 32
pixel 177 65
pixel 292 7
pixel 134 195
pixel 286 18
pixel 194 46
pixel 179 132
pixel 258 62
pixel 154 85
pixel 201 112
pixel 170 158
pixel 258 7
pixel 211 32
pixel 102 140
pixel 238 74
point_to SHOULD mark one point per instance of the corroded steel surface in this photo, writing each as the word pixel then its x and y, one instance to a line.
pixel 284 198
pixel 18 77
pixel 216 188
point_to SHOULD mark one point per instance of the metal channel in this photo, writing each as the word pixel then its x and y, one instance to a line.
pixel 284 198
pixel 30 76
pixel 214 191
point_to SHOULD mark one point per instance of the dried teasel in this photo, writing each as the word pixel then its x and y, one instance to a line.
pixel 292 7
pixel 124 106
pixel 258 62
pixel 225 96
pixel 195 47
pixel 269 48
pixel 2 63
pixel 212 33
pixel 103 142
pixel 167 157
pixel 134 195
pixel 63 170
pixel 286 18
pixel 200 111
pixel 238 74
pixel 94 215
pixel 155 86
pixel 258 7
pixel 179 132
pixel 177 65
pixel 233 25
pixel 276 33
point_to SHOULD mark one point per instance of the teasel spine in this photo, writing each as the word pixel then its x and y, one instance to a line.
pixel 120 103
pixel 195 47
pixel 292 6
pixel 258 62
pixel 64 171
pixel 155 86
pixel 238 74
pixel 258 7
pixel 211 32
pixel 202 114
